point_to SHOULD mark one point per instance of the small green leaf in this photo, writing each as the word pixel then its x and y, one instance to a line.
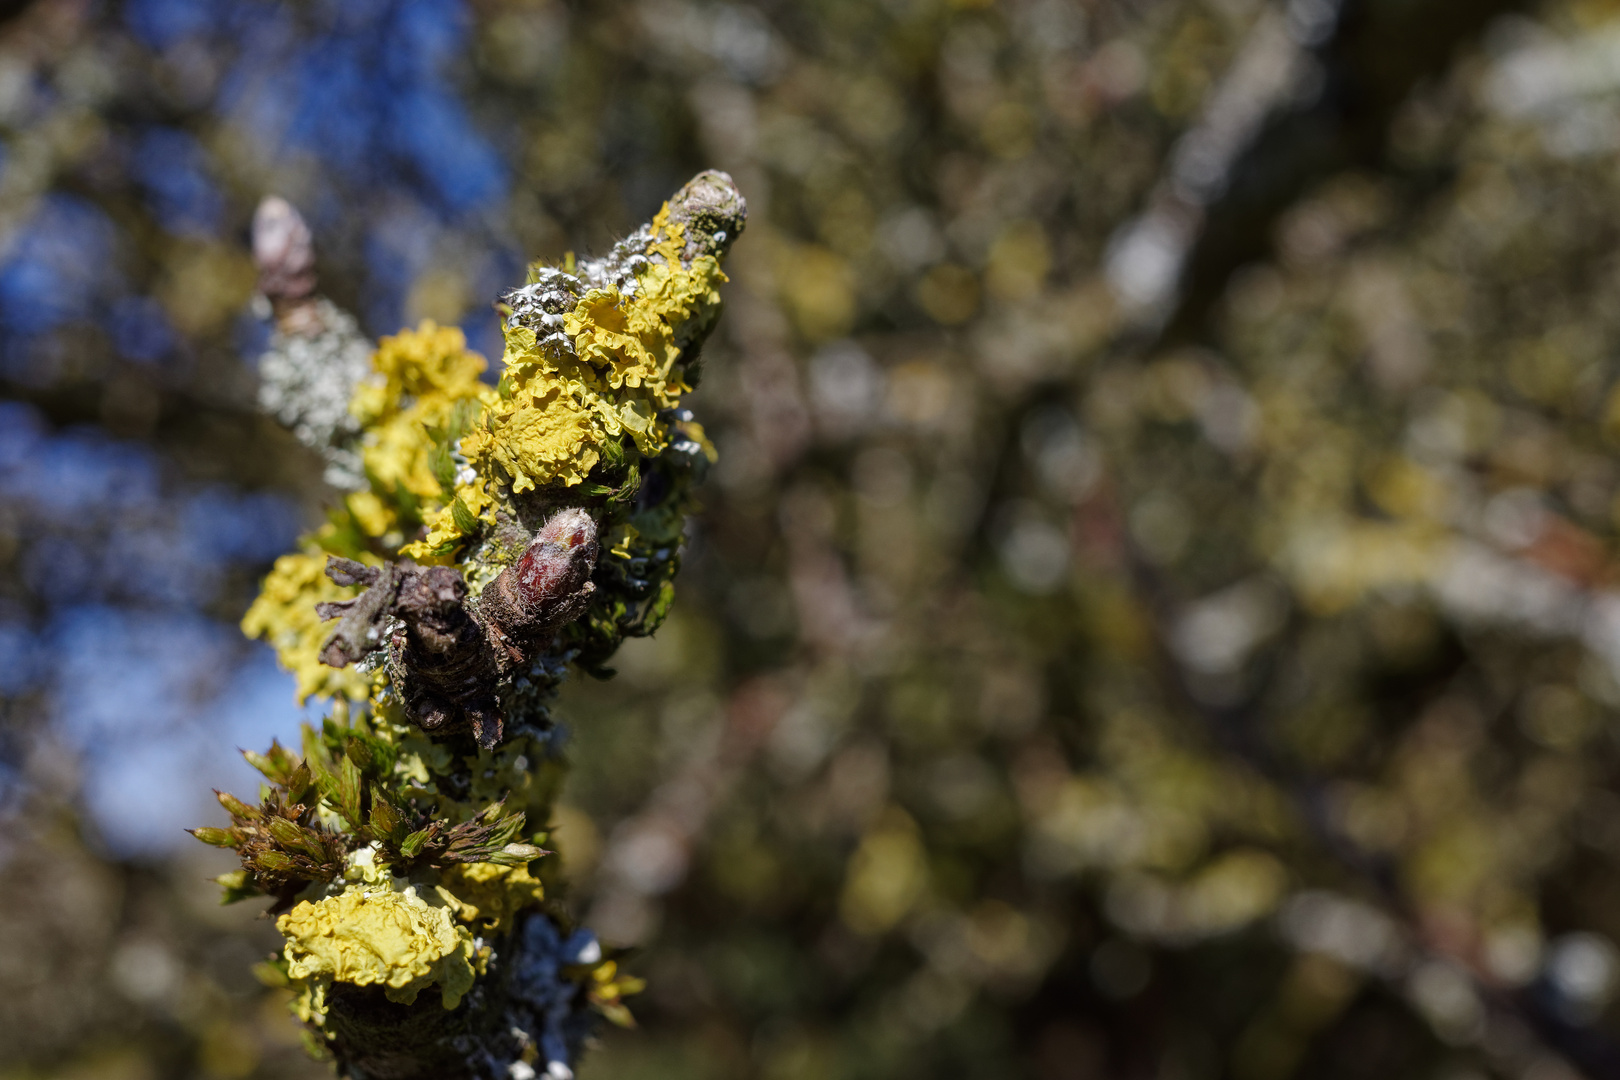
pixel 374 757
pixel 358 752
pixel 274 861
pixel 273 973
pixel 299 783
pixel 658 609
pixel 216 837
pixel 333 736
pixel 276 764
pixel 443 468
pixel 385 819
pixel 315 749
pixel 631 484
pixel 343 790
pixel 284 832
pixel 322 780
pixel 463 517
pixel 516 855
pixel 236 807
pixel 351 792
pixel 507 829
pixel 238 885
pixel 412 844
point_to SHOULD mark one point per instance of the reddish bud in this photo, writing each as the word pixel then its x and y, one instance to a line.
pixel 557 565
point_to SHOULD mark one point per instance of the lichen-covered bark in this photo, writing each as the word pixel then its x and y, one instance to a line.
pixel 490 538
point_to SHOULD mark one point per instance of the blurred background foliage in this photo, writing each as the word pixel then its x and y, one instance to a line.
pixel 1157 612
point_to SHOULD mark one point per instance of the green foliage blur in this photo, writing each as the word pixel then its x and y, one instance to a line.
pixel 1156 613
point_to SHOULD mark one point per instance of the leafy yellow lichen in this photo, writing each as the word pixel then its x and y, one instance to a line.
pixel 541 434
pixel 375 517
pixel 489 895
pixel 370 936
pixel 447 525
pixel 418 379
pixel 428 363
pixel 284 615
pixel 557 411
pixel 608 989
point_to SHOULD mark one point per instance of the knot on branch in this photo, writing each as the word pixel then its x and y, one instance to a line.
pixel 714 212
pixel 446 653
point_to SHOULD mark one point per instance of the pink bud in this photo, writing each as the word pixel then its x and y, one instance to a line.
pixel 548 586
pixel 559 560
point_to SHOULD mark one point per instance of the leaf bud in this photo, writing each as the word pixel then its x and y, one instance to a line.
pixel 549 586
pixel 284 250
pixel 236 807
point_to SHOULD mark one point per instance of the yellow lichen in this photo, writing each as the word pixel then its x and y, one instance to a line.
pixel 541 434
pixel 620 540
pixel 608 989
pixel 558 410
pixel 375 517
pixel 442 526
pixel 693 431
pixel 400 940
pixel 489 895
pixel 418 378
pixel 284 615
pixel 418 365
pixel 421 759
pixel 503 773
